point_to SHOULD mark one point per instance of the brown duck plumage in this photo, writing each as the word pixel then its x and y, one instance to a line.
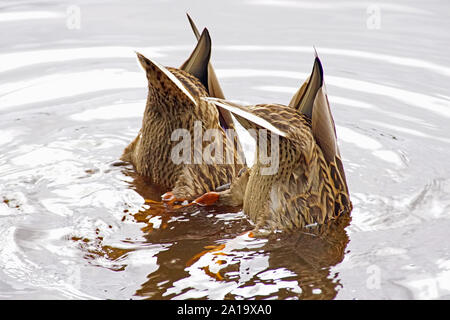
pixel 309 186
pixel 175 102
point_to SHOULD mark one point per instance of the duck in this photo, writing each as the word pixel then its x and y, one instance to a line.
pixel 175 105
pixel 308 186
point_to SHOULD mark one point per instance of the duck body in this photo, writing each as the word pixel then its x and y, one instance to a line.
pixel 175 105
pixel 151 151
pixel 304 189
pixel 308 184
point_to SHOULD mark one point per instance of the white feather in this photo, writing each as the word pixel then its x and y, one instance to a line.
pixel 247 115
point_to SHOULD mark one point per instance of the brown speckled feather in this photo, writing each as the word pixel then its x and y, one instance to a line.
pixel 311 100
pixel 209 80
pixel 174 102
pixel 307 188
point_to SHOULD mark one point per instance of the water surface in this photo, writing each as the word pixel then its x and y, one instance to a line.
pixel 74 224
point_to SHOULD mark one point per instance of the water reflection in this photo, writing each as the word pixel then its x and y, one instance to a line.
pixel 290 266
pixel 206 254
pixel 74 226
pixel 209 255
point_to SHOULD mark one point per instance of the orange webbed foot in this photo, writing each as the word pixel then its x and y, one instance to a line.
pixel 207 199
pixel 169 198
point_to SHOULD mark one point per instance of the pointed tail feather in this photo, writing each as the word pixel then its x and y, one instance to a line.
pixel 303 100
pixel 198 61
pixel 193 26
pixel 213 87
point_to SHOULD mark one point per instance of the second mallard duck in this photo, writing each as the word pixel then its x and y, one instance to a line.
pixel 309 186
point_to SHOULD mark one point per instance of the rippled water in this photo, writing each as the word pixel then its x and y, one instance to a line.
pixel 74 223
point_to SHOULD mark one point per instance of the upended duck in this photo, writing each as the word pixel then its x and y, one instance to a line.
pixel 175 103
pixel 309 186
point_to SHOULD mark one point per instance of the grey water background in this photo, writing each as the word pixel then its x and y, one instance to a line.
pixel 72 225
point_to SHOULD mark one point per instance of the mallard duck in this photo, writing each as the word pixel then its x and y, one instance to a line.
pixel 309 186
pixel 175 103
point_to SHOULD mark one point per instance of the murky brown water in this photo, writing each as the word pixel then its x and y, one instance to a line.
pixel 74 223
